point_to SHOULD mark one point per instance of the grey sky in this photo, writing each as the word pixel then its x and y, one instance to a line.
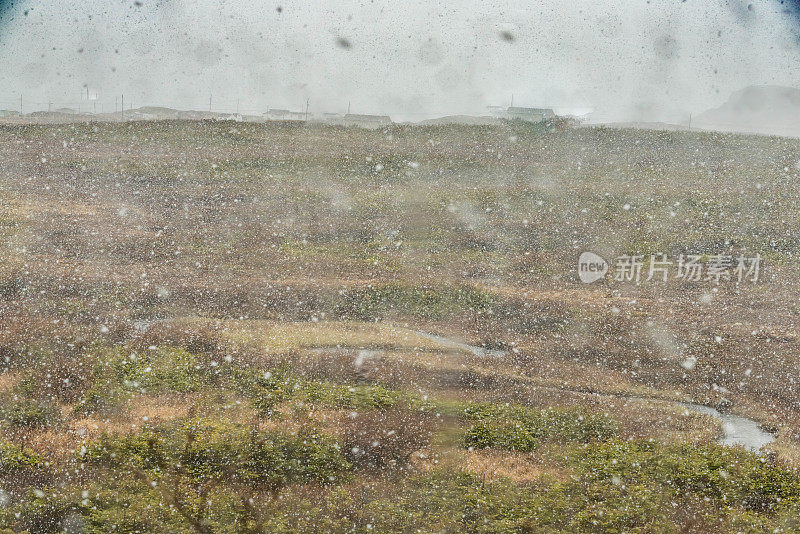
pixel 627 60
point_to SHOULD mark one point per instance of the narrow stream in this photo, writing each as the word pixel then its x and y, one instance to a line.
pixel 453 344
pixel 737 430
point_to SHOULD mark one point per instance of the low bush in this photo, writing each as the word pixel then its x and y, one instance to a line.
pixel 21 468
pixel 120 371
pixel 29 413
pixel 399 299
pixel 43 511
pixel 204 451
pixel 155 369
pixel 268 389
pixel 731 476
pixel 518 428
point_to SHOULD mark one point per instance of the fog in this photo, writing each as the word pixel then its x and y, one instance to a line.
pixel 657 60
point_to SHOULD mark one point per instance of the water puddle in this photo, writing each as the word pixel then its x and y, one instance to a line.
pixel 737 430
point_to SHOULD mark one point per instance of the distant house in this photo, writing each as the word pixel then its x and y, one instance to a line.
pixel 8 113
pixel 523 114
pixel 284 115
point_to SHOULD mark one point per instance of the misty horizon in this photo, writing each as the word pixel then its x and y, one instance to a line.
pixel 657 61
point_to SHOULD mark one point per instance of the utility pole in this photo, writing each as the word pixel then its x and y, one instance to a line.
pixel 209 102
pixel 348 107
pixel 122 108
pixel 512 100
pixel 690 121
pixel 237 106
pixel 20 104
pixel 49 106
pixel 307 99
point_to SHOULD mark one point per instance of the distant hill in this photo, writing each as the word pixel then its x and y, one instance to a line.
pixel 461 119
pixel 645 125
pixel 763 109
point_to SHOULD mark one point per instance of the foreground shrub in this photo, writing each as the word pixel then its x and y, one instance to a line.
pixel 29 413
pixel 204 451
pixel 44 511
pixel 731 476
pixel 17 462
pixel 21 469
pixel 190 461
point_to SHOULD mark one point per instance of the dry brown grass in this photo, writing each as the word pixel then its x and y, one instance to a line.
pixel 7 381
pixel 519 467
pixel 385 439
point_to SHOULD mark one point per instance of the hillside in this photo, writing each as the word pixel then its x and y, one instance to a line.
pixel 765 109
pixel 211 326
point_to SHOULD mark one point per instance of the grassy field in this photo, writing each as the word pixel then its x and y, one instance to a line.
pixel 222 327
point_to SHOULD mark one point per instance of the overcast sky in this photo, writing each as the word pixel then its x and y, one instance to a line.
pixel 414 58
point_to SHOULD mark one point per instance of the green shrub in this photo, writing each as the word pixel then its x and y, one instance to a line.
pixel 158 369
pixel 15 460
pixel 518 428
pixel 400 299
pixel 120 371
pixel 205 451
pixel 43 511
pixel 731 476
pixel 355 397
pixel 446 501
pixel 268 389
pixel 29 413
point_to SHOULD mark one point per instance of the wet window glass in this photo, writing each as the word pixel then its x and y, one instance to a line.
pixel 350 266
